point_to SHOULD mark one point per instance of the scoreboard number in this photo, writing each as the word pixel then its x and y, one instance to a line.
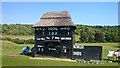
pixel 77 53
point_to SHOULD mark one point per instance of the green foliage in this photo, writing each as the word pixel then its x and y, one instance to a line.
pixel 90 34
pixel 84 33
pixel 99 37
pixel 17 29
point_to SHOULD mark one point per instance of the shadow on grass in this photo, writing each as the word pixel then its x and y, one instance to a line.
pixel 106 59
pixel 28 54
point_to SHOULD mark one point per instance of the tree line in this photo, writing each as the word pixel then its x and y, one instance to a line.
pixel 85 33
pixel 97 33
pixel 17 29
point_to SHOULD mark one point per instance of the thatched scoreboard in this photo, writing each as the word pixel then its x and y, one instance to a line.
pixel 54 35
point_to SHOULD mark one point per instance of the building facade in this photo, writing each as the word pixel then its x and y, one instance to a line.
pixel 54 35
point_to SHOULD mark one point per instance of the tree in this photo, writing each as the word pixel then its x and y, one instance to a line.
pixel 99 37
pixel 84 36
pixel 108 37
pixel 91 38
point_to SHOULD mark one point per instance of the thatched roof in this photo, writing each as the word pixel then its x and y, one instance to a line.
pixel 59 18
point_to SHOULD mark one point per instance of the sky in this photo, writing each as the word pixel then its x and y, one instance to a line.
pixel 85 13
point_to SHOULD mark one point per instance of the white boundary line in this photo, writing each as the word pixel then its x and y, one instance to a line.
pixel 59 59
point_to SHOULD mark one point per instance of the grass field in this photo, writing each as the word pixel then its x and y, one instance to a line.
pixel 20 37
pixel 10 47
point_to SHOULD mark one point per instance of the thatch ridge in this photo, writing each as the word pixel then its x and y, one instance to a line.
pixel 56 14
pixel 59 18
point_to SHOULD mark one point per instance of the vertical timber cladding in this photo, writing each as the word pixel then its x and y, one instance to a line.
pixel 54 35
pixel 87 52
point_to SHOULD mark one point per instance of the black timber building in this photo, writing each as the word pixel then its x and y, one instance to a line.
pixel 54 35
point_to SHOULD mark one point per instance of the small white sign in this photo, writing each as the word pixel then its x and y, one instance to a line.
pixel 52 48
pixel 62 38
pixel 57 37
pixel 40 46
pixel 47 37
pixel 78 47
pixel 40 38
pixel 65 38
